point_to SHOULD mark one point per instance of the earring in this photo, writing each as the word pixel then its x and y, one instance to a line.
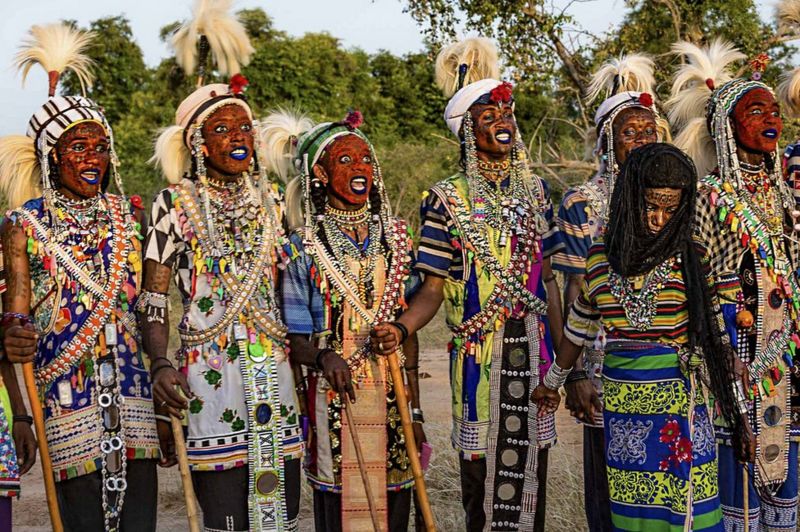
pixel 200 151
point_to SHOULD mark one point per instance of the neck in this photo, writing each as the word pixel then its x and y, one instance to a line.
pixel 754 158
pixel 215 175
pixel 493 157
pixel 341 205
pixel 70 195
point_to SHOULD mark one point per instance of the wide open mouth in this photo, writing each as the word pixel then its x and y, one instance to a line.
pixel 503 136
pixel 358 185
pixel 240 154
pixel 91 176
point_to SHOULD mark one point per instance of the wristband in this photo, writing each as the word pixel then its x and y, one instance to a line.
pixel 549 279
pixel 417 416
pixel 555 377
pixel 8 317
pixel 411 368
pixel 576 375
pixel 403 331
pixel 320 353
pixel 23 418
pixel 154 368
pixel 165 419
pixel 153 373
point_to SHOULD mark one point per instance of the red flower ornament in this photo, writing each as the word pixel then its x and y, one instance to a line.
pixel 645 99
pixel 502 93
pixel 238 84
pixel 136 201
pixel 354 119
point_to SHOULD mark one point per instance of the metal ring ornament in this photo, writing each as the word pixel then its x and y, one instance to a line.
pixel 105 400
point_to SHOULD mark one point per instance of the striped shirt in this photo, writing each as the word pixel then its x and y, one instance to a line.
pixel 439 251
pixel 596 307
pixel 579 224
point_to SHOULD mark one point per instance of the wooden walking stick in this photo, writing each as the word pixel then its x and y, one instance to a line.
pixel 44 453
pixel 746 497
pixel 411 444
pixel 186 476
pixel 376 523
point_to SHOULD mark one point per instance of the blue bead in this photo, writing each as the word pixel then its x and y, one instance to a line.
pixel 263 413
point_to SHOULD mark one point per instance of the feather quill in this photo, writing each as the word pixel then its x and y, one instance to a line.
pixel 56 47
pixel 633 72
pixel 171 154
pixel 480 56
pixel 278 132
pixel 227 38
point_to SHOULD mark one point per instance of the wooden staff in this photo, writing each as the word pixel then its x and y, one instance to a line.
pixel 44 453
pixel 411 444
pixel 376 523
pixel 186 476
pixel 746 497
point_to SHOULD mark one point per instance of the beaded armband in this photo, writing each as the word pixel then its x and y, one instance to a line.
pixel 154 306
pixel 555 377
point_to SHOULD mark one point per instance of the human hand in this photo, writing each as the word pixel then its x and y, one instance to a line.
pixel 582 400
pixel 166 441
pixel 385 338
pixel 547 399
pixel 337 373
pixel 25 444
pixel 19 343
pixel 166 396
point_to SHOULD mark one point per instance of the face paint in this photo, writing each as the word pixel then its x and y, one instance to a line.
pixel 82 155
pixel 757 121
pixel 633 127
pixel 346 169
pixel 661 204
pixel 495 129
pixel 228 136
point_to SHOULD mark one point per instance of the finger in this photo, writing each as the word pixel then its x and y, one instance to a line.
pixel 173 398
pixel 184 384
pixel 174 412
pixel 341 381
pixel 22 332
pixel 383 333
pixel 25 342
pixel 350 391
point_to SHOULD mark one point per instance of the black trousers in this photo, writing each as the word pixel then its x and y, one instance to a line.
pixel 473 479
pixel 222 495
pixel 595 480
pixel 328 510
pixel 80 500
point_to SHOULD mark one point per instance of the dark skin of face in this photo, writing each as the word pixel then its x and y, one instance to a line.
pixel 495 129
pixel 661 204
pixel 82 155
pixel 346 170
pixel 229 140
pixel 757 125
pixel 633 127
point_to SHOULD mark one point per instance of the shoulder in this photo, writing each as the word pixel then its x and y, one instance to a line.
pixel 574 196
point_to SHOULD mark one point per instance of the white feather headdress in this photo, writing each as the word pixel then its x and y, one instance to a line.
pixel 789 91
pixel 479 54
pixel 632 72
pixel 56 47
pixel 228 41
pixel 788 14
pixel 20 173
pixel 279 133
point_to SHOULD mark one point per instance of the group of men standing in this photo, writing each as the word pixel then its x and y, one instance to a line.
pixel 291 303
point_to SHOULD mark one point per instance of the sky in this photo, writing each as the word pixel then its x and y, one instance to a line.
pixel 371 25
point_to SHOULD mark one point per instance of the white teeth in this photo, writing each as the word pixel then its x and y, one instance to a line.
pixel 237 151
pixel 502 136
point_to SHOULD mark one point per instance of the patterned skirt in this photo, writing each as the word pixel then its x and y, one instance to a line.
pixel 660 447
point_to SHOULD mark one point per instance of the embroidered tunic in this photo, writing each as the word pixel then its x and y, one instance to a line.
pixel 218 415
pixel 311 308
pixel 581 220
pixel 65 314
pixel 442 253
pixel 660 449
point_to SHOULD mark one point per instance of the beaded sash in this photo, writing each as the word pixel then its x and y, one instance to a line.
pixel 87 334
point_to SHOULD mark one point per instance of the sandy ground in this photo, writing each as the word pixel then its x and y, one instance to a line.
pixel 565 502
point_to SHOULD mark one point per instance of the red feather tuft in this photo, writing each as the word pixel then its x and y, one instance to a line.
pixel 354 119
pixel 238 84
pixel 645 99
pixel 502 93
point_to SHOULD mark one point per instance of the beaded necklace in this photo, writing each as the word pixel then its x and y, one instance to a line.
pixel 640 309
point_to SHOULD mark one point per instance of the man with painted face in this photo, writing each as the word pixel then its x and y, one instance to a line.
pixel 625 120
pixel 351 269
pixel 486 238
pixel 217 230
pixel 742 225
pixel 72 259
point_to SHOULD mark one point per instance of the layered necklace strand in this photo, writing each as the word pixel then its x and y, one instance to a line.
pixel 335 223
pixel 502 208
pixel 640 309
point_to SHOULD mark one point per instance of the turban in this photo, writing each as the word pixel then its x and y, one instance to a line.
pixel 462 100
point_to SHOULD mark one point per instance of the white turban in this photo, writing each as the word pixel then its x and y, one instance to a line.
pixel 609 104
pixel 463 100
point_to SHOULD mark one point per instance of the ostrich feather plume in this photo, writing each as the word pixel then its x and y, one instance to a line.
pixel 633 72
pixel 20 175
pixel 279 131
pixel 788 14
pixel 478 53
pixel 227 38
pixel 56 47
pixel 704 68
pixel 171 154
pixel 789 92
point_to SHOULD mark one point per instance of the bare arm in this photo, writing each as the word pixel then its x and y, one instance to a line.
pixel 554 313
pixel 24 440
pixel 421 309
pixel 19 337
pixel 334 367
